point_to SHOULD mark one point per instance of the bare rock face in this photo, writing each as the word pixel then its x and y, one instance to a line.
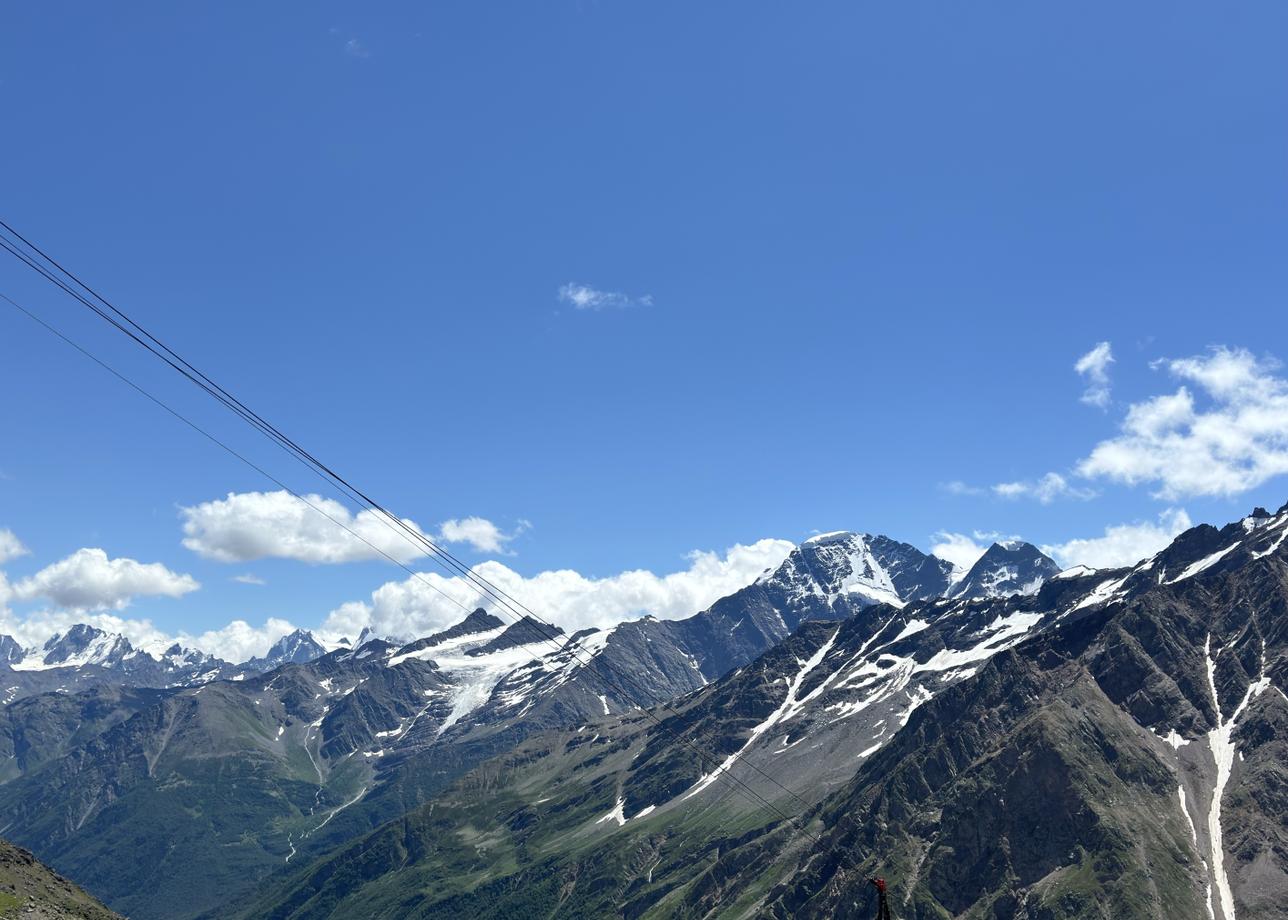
pixel 1126 761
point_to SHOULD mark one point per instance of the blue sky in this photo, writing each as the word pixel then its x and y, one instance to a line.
pixel 845 255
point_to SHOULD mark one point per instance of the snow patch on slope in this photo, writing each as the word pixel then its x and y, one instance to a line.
pixel 1221 742
pixel 790 706
pixel 1204 563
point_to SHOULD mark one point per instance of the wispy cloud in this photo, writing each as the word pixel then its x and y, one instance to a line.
pixel 10 546
pixel 249 579
pixel 411 607
pixel 355 48
pixel 1094 366
pixel 1045 490
pixel 957 487
pixel 585 297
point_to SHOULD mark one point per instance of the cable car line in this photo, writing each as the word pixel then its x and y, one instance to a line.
pixel 544 628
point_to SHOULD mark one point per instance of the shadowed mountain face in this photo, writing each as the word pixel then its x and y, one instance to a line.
pixel 1113 745
pixel 224 782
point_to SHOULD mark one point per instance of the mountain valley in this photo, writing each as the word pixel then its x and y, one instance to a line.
pixel 860 709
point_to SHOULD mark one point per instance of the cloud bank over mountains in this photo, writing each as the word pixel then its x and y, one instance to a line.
pixel 1222 431
pixel 429 602
pixel 89 587
pixel 1121 544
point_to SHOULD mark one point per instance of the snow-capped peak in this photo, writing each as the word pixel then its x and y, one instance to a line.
pixel 1007 567
pixel 833 536
pixel 80 646
pixel 179 657
pixel 296 647
pixel 861 568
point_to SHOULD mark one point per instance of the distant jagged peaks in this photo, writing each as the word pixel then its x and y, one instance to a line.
pixel 1007 567
pixel 862 568
pixel 86 656
pixel 297 647
pixel 830 574
pixel 178 656
pixel 84 645
pixel 479 621
pixel 526 631
pixel 10 651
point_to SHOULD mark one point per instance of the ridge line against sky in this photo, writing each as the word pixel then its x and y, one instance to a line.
pixel 1234 443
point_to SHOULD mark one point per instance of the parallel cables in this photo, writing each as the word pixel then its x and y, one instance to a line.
pixel 54 272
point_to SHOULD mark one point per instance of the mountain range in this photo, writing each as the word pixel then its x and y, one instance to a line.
pixel 838 572
pixel 1012 741
pixel 1111 745
pixel 86 656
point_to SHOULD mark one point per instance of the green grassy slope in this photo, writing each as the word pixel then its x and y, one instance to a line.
pixel 31 891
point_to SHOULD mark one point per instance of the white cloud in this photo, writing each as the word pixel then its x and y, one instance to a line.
pixel 1094 365
pixel 10 546
pixel 249 578
pixel 411 608
pixel 247 526
pixel 89 580
pixel 1236 442
pixel 1122 544
pixel 237 641
pixel 479 533
pixel 957 487
pixel 355 48
pixel 957 548
pixel 585 297
pixel 962 550
pixel 1045 490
